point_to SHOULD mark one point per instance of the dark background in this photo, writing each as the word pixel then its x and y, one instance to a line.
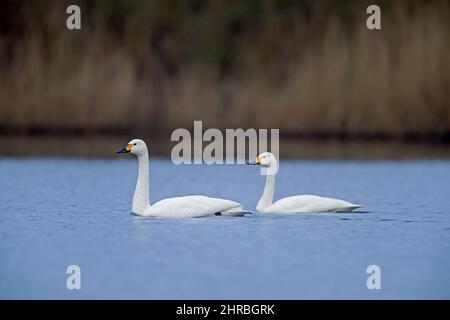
pixel 144 68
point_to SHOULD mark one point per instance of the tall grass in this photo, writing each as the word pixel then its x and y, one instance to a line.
pixel 148 67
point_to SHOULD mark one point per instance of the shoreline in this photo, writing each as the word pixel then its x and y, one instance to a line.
pixel 104 145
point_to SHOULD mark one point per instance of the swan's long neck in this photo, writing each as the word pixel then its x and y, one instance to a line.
pixel 267 196
pixel 141 193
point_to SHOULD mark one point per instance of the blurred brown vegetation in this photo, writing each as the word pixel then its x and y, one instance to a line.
pixel 310 68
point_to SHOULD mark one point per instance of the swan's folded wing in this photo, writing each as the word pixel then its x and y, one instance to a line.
pixel 191 207
pixel 311 203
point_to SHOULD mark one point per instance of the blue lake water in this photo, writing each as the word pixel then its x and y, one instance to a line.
pixel 60 212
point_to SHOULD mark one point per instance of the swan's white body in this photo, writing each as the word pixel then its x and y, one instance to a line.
pixel 192 207
pixel 179 207
pixel 295 204
pixel 310 203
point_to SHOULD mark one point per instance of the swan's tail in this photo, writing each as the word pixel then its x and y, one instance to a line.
pixel 350 208
pixel 237 211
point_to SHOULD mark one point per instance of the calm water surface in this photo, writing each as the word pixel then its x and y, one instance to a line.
pixel 58 212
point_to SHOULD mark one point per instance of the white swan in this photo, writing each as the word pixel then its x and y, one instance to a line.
pixel 179 207
pixel 294 204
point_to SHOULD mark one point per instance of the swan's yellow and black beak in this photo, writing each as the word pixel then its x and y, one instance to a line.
pixel 257 161
pixel 126 149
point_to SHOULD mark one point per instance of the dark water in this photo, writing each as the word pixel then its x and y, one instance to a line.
pixel 59 212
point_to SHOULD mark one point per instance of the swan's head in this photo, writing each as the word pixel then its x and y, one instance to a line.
pixel 135 146
pixel 265 159
pixel 268 161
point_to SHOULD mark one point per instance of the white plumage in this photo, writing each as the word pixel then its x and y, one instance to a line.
pixel 192 207
pixel 179 207
pixel 294 204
